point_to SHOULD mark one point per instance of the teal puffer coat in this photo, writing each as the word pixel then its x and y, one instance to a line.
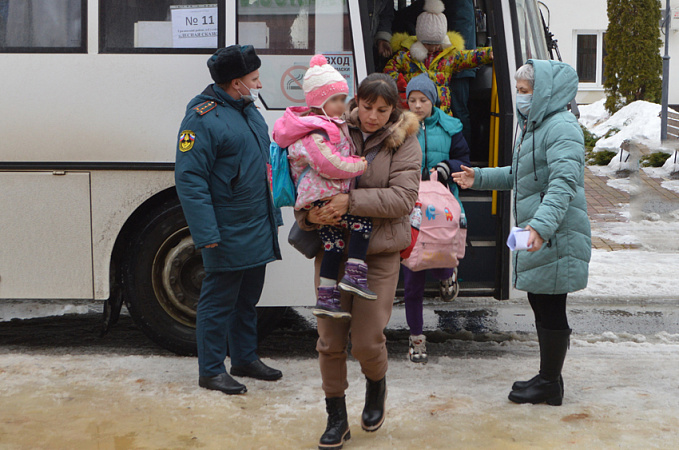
pixel 547 175
pixel 221 178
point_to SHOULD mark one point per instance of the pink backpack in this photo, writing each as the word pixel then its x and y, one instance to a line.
pixel 441 241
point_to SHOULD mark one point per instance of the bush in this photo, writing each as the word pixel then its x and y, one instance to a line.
pixel 633 65
pixel 590 139
pixel 611 132
pixel 601 158
pixel 656 159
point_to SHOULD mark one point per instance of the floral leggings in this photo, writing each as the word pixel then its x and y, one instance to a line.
pixel 333 236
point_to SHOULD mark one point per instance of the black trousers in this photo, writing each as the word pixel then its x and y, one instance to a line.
pixel 549 310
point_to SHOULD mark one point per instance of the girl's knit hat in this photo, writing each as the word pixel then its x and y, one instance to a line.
pixel 423 83
pixel 432 25
pixel 321 82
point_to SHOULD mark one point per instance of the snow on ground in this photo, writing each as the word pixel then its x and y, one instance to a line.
pixel 631 274
pixel 620 393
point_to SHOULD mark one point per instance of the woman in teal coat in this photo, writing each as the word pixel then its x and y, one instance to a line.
pixel 547 175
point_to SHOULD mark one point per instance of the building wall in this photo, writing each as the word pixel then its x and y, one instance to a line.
pixel 568 19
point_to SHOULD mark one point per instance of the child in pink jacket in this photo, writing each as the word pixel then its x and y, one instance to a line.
pixel 323 164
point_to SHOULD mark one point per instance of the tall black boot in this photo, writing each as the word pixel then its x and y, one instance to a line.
pixel 521 385
pixel 547 388
pixel 337 430
pixel 375 399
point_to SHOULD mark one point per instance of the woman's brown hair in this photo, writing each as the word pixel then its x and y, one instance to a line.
pixel 378 85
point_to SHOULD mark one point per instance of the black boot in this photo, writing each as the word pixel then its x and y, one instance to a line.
pixel 222 382
pixel 547 388
pixel 258 370
pixel 337 430
pixel 521 385
pixel 375 399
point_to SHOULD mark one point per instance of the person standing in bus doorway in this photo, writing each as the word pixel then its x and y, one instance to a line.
pixel 381 15
pixel 434 51
pixel 222 183
pixel 547 176
pixel 461 18
pixel 386 192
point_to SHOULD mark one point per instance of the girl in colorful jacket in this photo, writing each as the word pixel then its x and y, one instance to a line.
pixel 434 51
pixel 323 164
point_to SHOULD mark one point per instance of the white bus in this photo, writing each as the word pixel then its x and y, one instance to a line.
pixel 92 95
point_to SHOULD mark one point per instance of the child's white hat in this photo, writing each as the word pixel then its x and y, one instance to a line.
pixel 431 26
pixel 322 82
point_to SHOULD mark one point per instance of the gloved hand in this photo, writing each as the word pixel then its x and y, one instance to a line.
pixel 443 172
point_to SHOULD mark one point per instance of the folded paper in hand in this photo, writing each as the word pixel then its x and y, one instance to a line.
pixel 518 239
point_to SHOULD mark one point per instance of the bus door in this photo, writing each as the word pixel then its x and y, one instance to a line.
pixel 515 30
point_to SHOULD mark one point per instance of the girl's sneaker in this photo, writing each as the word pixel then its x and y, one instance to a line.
pixel 418 349
pixel 355 280
pixel 328 304
pixel 449 288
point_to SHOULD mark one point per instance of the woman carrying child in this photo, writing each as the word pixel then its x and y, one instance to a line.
pixel 386 192
pixel 323 164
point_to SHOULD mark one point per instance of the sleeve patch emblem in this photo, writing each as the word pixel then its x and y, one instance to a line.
pixel 186 140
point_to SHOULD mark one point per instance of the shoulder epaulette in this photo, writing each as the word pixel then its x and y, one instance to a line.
pixel 205 107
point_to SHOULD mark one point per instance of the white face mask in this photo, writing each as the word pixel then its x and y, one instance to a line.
pixel 523 103
pixel 252 96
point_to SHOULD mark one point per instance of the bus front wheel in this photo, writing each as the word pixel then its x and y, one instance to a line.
pixel 162 276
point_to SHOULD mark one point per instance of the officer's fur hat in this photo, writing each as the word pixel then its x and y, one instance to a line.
pixel 233 62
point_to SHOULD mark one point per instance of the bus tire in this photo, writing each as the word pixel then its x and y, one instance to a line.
pixel 162 275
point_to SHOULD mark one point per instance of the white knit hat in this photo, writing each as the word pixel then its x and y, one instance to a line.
pixel 321 82
pixel 431 26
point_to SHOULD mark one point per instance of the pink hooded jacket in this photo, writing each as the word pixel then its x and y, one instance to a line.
pixel 322 144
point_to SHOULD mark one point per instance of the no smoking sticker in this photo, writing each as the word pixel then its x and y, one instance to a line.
pixel 291 83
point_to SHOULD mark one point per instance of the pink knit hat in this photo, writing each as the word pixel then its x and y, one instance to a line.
pixel 321 82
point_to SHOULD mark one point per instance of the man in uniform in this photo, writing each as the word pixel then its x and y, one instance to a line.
pixel 222 182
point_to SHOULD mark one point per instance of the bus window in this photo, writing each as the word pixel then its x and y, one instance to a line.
pixel 160 26
pixel 532 42
pixel 287 35
pixel 37 26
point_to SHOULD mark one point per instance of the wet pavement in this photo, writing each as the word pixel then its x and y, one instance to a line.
pixel 605 204
pixel 62 386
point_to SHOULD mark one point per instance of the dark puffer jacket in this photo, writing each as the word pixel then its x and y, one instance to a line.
pixel 222 182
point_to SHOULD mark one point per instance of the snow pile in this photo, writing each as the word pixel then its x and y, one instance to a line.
pixel 672 163
pixel 639 121
pixel 593 114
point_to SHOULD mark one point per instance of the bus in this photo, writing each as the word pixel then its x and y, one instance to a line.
pixel 93 93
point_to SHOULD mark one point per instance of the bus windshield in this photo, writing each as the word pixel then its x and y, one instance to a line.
pixel 532 42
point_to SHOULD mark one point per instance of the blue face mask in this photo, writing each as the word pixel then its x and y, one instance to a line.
pixel 523 103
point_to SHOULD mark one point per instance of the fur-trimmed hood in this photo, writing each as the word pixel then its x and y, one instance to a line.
pixel 406 42
pixel 395 132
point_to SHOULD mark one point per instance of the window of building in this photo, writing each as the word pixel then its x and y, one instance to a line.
pixel 590 53
pixel 161 26
pixel 39 26
pixel 286 35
